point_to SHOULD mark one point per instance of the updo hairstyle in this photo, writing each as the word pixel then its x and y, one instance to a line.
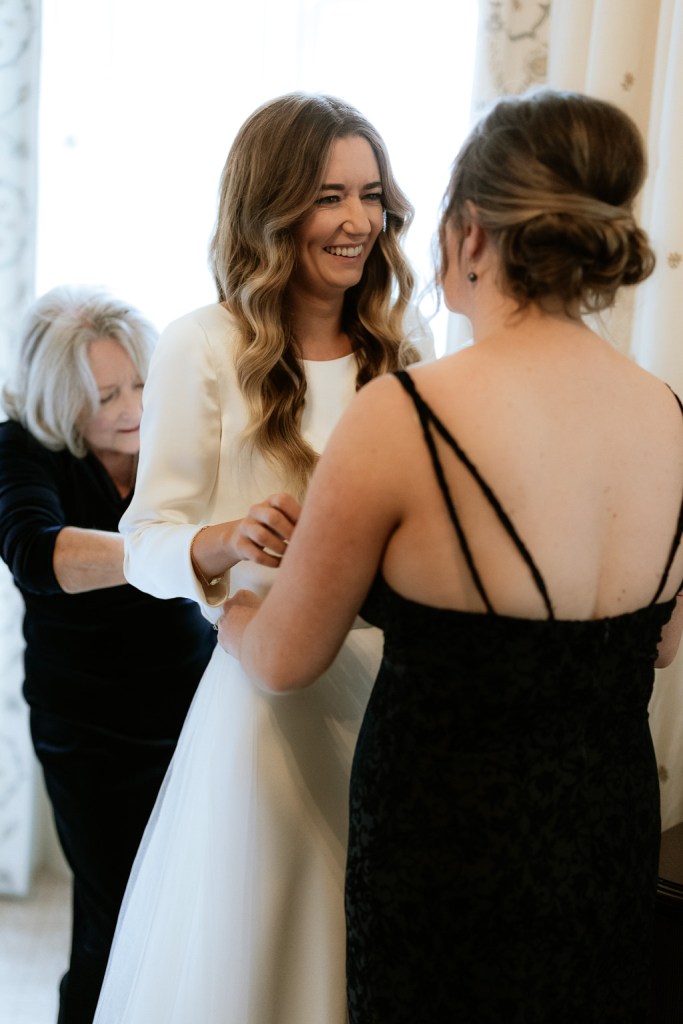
pixel 553 176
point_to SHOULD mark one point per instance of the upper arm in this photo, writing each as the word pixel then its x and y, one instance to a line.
pixel 350 511
pixel 179 453
pixel 31 512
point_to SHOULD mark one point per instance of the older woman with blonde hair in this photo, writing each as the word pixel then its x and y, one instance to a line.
pixel 106 708
pixel 235 908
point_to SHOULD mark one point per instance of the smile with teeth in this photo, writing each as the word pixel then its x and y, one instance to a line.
pixel 344 250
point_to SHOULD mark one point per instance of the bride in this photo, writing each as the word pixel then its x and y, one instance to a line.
pixel 234 910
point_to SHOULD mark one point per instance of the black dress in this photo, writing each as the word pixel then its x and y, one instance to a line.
pixel 504 821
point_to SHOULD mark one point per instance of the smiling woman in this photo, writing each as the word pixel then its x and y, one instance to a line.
pixel 315 293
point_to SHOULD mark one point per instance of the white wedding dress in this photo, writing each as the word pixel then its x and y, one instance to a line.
pixel 234 912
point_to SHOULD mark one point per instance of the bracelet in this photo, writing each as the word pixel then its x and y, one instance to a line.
pixel 200 575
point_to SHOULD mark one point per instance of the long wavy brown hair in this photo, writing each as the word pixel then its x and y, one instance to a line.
pixel 271 180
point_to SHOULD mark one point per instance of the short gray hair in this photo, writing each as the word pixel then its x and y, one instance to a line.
pixel 53 387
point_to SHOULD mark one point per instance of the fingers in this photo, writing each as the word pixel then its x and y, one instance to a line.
pixel 267 529
pixel 279 513
pixel 287 505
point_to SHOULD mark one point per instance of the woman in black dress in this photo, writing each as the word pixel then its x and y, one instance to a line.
pixel 519 507
pixel 109 671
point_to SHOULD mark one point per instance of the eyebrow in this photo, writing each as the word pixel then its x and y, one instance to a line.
pixel 340 188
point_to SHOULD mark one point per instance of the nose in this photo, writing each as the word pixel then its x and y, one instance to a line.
pixel 131 404
pixel 357 220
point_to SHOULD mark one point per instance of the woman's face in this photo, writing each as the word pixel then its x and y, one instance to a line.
pixel 335 238
pixel 115 426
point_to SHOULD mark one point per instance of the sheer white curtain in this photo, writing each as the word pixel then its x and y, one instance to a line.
pixel 19 54
pixel 630 53
pixel 139 102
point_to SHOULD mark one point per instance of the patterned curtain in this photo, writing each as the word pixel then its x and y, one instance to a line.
pixel 512 48
pixel 19 56
pixel 512 56
pixel 630 53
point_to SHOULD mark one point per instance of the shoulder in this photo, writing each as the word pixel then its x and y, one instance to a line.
pixel 380 408
pixel 13 433
pixel 25 462
pixel 16 440
pixel 209 325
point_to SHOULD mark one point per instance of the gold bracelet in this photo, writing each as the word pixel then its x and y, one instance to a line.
pixel 200 575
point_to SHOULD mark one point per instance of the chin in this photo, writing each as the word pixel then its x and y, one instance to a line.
pixel 129 446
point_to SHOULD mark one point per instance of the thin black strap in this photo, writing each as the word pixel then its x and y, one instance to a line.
pixel 677 536
pixel 427 417
pixel 422 412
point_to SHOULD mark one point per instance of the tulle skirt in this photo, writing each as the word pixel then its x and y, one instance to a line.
pixel 234 913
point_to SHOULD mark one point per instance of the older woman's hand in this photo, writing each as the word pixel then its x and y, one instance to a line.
pixel 238 612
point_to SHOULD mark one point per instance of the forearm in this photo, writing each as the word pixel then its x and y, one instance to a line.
pixel 212 552
pixel 270 651
pixel 86 560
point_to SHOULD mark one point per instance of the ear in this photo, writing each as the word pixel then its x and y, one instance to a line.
pixel 474 234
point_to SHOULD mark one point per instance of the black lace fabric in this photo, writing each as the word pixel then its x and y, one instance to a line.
pixel 504 824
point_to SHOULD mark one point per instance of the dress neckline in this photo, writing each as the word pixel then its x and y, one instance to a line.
pixel 329 362
pixel 483 616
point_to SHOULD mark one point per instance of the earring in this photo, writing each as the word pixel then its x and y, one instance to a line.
pixel 472 277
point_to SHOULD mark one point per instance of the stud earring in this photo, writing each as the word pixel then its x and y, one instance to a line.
pixel 472 277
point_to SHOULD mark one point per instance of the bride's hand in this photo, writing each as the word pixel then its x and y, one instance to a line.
pixel 238 612
pixel 262 536
pixel 264 533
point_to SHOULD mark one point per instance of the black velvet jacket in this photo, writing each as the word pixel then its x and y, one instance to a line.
pixel 117 659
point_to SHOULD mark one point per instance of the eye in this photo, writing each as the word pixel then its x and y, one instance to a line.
pixel 105 399
pixel 139 385
pixel 326 200
pixel 374 197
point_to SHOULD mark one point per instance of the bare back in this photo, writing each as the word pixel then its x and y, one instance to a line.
pixel 583 452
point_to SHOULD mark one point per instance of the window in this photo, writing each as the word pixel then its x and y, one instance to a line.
pixel 140 101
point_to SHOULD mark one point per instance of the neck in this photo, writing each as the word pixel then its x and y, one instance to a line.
pixel 121 468
pixel 317 325
pixel 495 315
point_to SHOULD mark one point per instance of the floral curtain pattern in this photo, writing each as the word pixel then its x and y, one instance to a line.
pixel 512 56
pixel 19 55
pixel 512 48
pixel 631 54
